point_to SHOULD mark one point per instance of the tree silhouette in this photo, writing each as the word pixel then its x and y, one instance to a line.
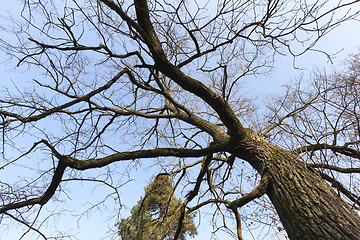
pixel 114 86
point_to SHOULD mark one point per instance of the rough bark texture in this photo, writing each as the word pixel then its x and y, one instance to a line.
pixel 307 205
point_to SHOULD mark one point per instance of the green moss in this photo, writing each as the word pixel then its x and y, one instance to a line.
pixel 289 177
pixel 74 159
pixel 275 155
pixel 273 162
pixel 264 174
pixel 296 215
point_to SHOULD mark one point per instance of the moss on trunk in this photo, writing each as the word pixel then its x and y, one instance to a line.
pixel 308 207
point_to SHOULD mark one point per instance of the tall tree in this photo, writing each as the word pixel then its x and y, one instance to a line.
pixel 156 215
pixel 159 83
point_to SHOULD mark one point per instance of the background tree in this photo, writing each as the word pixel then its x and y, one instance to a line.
pixel 155 216
pixel 125 83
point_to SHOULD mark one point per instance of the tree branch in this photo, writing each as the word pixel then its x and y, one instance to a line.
pixel 259 191
pixel 122 14
pixel 335 168
pixel 238 223
pixel 152 153
pixel 26 224
pixel 345 150
pixel 84 48
pixel 225 112
pixel 58 173
pixel 66 105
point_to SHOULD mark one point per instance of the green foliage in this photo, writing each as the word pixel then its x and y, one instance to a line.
pixel 156 215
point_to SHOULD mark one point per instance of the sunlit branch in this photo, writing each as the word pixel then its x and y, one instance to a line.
pixel 214 130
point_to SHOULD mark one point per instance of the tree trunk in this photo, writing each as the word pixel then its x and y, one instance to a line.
pixel 308 207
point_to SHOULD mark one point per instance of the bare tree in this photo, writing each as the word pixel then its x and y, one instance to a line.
pixel 160 82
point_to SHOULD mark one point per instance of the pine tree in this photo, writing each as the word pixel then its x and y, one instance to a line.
pixel 155 216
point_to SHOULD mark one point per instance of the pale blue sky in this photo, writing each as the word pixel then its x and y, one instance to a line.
pixel 345 37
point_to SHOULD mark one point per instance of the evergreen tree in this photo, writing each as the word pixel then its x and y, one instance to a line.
pixel 155 216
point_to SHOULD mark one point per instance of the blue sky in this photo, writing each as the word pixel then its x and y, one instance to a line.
pixel 344 39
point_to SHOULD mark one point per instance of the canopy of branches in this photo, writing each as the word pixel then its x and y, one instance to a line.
pixel 110 87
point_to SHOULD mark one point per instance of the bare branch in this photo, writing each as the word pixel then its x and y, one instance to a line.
pixel 153 153
pixel 345 150
pixel 335 168
pixel 26 224
pixel 259 191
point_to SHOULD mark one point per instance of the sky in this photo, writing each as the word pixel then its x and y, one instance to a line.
pixel 344 40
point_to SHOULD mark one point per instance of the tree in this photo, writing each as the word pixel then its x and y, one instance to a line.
pixel 135 82
pixel 155 216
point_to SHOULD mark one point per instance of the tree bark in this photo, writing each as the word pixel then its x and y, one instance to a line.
pixel 307 205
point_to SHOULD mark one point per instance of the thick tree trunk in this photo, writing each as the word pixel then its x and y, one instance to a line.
pixel 308 207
